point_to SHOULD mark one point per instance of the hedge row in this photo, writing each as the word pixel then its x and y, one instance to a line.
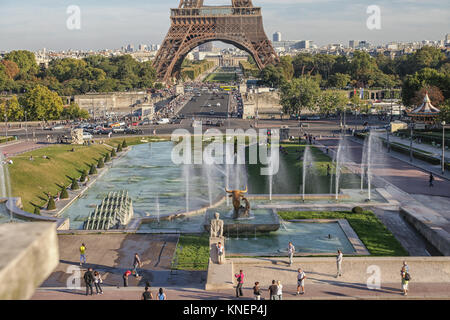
pixel 425 137
pixel 195 70
pixel 416 154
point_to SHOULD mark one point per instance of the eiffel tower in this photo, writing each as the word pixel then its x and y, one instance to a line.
pixel 193 24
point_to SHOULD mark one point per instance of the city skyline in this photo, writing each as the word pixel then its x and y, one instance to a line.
pixel 113 24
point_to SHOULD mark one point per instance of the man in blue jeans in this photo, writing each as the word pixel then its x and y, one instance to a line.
pixel 240 283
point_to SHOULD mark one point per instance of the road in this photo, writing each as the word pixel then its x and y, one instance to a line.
pixel 198 106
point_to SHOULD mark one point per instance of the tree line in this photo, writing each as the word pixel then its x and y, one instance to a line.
pixel 303 78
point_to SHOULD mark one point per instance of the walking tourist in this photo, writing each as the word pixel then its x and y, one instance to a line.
pixel 98 282
pixel 147 295
pixel 339 259
pixel 82 254
pixel 125 278
pixel 240 283
pixel 273 290
pixel 161 294
pixel 431 180
pixel 136 264
pixel 301 281
pixel 257 291
pixel 405 280
pixel 279 290
pixel 291 251
pixel 88 280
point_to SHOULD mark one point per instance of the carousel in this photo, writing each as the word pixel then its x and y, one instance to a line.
pixel 426 113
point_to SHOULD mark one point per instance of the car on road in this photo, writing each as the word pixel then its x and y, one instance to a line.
pixel 219 123
pixel 209 105
pixel 212 112
pixel 118 130
pixel 133 131
pixel 163 121
pixel 87 136
pixel 57 128
pixel 218 105
pixel 313 118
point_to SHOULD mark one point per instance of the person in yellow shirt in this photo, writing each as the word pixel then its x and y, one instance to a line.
pixel 82 254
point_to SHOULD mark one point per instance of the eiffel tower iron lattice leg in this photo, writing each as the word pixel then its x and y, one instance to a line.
pixel 194 24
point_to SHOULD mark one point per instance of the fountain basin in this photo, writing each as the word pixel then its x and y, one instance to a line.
pixel 260 221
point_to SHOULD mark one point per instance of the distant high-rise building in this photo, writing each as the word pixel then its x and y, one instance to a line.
pixel 363 44
pixel 142 47
pixel 352 44
pixel 304 44
pixel 206 47
pixel 277 36
pixel 130 48
pixel 447 38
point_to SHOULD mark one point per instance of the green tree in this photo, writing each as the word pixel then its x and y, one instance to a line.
pixel 363 68
pixel 272 76
pixel 445 112
pixel 25 60
pixel 73 111
pixel 64 193
pixel 339 80
pixel 51 204
pixel 74 185
pixel 124 144
pixel 37 211
pixel 330 101
pixel 93 170
pixel 12 109
pixel 41 103
pixel 300 94
pixel 100 164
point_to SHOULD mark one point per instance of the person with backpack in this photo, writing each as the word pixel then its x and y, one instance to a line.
pixel 405 280
pixel 240 283
pixel 89 280
pixel 147 295
pixel 257 291
pixel 273 290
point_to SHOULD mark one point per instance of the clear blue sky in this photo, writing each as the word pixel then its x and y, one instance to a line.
pixel 36 24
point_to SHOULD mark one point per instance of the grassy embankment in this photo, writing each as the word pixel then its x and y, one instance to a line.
pixel 32 180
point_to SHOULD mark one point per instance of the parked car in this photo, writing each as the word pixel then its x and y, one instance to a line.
pixel 58 128
pixel 164 121
pixel 87 136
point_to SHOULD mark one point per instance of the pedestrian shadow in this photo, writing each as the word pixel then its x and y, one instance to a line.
pixel 357 286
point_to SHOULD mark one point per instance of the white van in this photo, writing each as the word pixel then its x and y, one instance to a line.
pixel 164 121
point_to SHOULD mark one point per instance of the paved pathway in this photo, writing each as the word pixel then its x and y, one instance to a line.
pixel 331 291
pixel 436 151
pixel 21 147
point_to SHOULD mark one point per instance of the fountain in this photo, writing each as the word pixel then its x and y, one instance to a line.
pixel 339 158
pixel 239 211
pixel 158 214
pixel 307 159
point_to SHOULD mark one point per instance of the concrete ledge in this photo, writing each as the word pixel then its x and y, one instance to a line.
pixel 220 276
pixel 29 255
pixel 424 223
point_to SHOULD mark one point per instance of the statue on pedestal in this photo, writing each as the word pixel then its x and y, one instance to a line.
pixel 238 196
pixel 216 227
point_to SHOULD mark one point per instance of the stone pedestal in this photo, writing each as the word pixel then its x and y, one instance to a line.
pixel 214 257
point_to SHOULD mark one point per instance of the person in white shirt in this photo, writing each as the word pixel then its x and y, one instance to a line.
pixel 291 251
pixel 301 281
pixel 339 259
pixel 279 290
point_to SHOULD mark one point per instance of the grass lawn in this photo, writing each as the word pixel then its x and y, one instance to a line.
pixel 372 232
pixel 192 253
pixel 289 178
pixel 32 180
pixel 221 77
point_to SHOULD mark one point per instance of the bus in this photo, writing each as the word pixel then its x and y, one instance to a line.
pixel 228 88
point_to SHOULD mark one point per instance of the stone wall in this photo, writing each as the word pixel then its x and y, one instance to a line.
pixel 28 259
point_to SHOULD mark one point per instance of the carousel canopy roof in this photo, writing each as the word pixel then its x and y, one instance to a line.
pixel 426 108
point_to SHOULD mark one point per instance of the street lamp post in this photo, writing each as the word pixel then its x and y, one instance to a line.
pixel 388 140
pixel 26 125
pixel 411 143
pixel 443 147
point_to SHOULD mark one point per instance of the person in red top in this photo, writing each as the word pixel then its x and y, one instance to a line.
pixel 125 278
pixel 240 283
